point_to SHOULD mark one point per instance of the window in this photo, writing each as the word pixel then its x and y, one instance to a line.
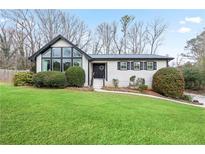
pixel 76 53
pixel 77 62
pixel 123 65
pixel 56 65
pixel 149 65
pixel 136 66
pixel 66 52
pixel 66 64
pixel 60 59
pixel 56 52
pixel 46 65
pixel 47 53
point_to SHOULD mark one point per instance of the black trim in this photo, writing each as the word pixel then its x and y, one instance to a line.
pixel 129 59
pixel 118 65
pixel 106 74
pixel 128 65
pixel 88 74
pixel 154 65
pixel 61 58
pixel 48 45
pixel 145 65
pixel 141 65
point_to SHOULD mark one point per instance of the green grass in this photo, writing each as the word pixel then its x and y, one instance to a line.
pixel 60 116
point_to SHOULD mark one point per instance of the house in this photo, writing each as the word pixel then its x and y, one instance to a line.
pixel 59 54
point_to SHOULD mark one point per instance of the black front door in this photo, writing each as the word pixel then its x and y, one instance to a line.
pixel 99 70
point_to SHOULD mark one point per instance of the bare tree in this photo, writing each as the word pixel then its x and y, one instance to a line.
pixel 7 51
pixel 118 42
pixel 104 37
pixel 137 38
pixel 55 22
pixel 125 22
pixel 155 34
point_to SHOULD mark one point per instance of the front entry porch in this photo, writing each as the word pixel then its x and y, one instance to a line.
pixel 99 75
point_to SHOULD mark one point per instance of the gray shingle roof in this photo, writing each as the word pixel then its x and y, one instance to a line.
pixel 128 56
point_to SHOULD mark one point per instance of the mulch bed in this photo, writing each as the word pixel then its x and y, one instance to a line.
pixel 128 89
pixel 80 88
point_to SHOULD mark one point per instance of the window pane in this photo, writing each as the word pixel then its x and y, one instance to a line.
pixel 56 64
pixel 123 65
pixel 66 52
pixel 149 65
pixel 47 53
pixel 46 66
pixel 56 52
pixel 76 53
pixel 66 64
pixel 77 62
pixel 136 65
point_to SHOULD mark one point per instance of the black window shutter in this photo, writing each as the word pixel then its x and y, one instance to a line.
pixel 118 65
pixel 141 65
pixel 128 65
pixel 132 65
pixel 145 65
pixel 155 65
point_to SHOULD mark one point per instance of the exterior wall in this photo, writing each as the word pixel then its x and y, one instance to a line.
pixel 38 63
pixel 124 75
pixel 61 43
pixel 85 67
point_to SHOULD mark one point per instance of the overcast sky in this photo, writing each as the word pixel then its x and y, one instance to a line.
pixel 182 24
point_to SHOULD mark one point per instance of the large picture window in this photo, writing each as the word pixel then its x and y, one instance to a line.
pixel 77 62
pixel 56 52
pixel 60 59
pixel 67 52
pixel 66 64
pixel 46 63
pixel 56 65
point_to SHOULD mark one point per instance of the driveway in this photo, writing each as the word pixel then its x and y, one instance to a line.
pixel 200 98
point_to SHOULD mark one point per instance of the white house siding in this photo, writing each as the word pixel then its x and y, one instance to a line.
pixel 124 75
pixel 38 63
pixel 61 43
pixel 85 67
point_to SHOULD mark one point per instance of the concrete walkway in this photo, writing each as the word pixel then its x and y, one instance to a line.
pixel 130 93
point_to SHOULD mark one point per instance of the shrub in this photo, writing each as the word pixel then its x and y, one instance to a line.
pixel 140 81
pixel 75 76
pixel 142 87
pixel 50 79
pixel 194 78
pixel 23 78
pixel 132 80
pixel 186 98
pixel 115 82
pixel 168 82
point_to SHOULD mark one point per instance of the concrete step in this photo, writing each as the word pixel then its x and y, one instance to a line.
pixel 97 83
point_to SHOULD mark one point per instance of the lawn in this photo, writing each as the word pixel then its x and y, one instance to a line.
pixel 60 116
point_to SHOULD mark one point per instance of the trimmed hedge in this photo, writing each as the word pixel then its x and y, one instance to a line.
pixel 75 76
pixel 23 79
pixel 168 82
pixel 50 79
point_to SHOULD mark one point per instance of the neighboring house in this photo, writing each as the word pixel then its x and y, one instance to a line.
pixel 59 54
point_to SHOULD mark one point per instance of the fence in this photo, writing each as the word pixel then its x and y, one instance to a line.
pixel 8 75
